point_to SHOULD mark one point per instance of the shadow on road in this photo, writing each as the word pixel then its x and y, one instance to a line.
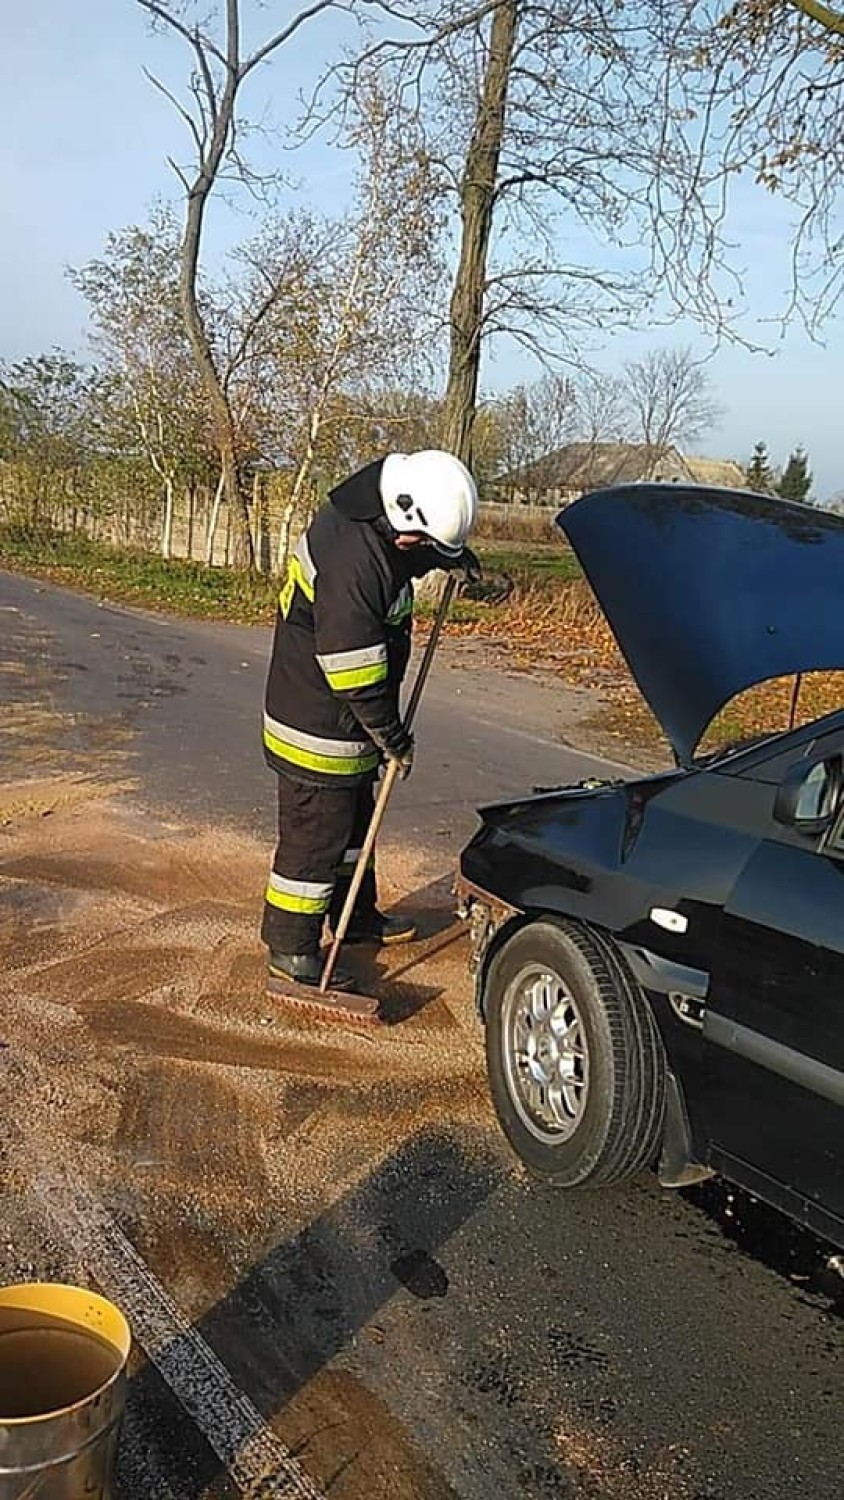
pixel 309 1297
pixel 773 1239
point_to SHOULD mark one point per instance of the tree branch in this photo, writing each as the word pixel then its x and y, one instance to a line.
pixel 198 43
pixel 179 108
pixel 250 328
pixel 174 166
pixel 830 20
pixel 284 36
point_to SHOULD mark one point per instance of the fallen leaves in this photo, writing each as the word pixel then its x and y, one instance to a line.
pixel 561 630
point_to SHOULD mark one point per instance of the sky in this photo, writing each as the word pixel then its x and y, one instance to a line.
pixel 85 152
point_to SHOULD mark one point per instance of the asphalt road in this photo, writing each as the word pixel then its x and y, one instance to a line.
pixel 631 1343
pixel 191 695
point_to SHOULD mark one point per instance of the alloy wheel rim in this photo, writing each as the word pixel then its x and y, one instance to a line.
pixel 546 1057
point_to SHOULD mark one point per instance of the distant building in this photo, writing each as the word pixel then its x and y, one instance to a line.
pixel 566 473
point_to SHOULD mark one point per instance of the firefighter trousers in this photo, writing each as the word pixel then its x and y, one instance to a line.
pixel 321 829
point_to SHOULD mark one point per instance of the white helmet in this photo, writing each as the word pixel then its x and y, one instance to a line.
pixel 431 492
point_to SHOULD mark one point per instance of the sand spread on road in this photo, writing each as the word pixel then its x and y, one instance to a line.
pixel 133 972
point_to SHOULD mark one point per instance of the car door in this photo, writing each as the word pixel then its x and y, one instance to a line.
pixel 774 1021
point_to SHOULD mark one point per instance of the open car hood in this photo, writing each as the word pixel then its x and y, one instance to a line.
pixel 709 592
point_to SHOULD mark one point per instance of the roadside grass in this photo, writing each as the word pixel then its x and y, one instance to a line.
pixel 130 577
pixel 563 632
pixel 551 623
pixel 174 587
pixel 529 564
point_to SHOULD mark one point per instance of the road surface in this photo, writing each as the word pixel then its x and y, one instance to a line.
pixel 396 1310
pixel 191 695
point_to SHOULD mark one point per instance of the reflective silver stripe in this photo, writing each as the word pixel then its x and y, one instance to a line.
pixel 310 890
pixel 346 749
pixel 305 898
pixel 351 857
pixel 303 552
pixel 346 661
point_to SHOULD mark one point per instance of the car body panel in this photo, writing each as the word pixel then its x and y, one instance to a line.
pixel 774 1026
pixel 710 592
pixel 611 857
pixel 749 994
pixel 727 912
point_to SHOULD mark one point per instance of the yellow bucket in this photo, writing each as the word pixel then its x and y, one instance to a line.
pixel 63 1354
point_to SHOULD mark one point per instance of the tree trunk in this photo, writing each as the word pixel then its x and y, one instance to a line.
pixel 284 535
pixel 167 526
pixel 261 508
pixel 301 478
pixel 190 497
pixel 213 522
pixel 200 343
pixel 477 204
pixel 239 527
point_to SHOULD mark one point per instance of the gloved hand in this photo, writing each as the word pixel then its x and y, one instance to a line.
pixel 468 563
pixel 403 757
pixel 471 565
pixel 396 744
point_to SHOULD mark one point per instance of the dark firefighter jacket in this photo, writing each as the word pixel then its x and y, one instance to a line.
pixel 342 641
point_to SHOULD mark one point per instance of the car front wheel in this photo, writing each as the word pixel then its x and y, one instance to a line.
pixel 574 1057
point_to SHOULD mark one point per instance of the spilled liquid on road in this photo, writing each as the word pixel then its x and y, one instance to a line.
pixel 774 1240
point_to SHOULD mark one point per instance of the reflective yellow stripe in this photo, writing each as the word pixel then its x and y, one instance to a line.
pixel 319 744
pixel 308 906
pixel 311 897
pixel 311 760
pixel 295 575
pixel 355 677
pixel 360 656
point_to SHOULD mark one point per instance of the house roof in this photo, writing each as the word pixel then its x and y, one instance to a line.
pixel 583 466
pixel 723 473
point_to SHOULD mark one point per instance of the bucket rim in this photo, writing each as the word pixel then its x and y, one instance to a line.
pixel 78 1308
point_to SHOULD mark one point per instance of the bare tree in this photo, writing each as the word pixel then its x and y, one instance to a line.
pixel 211 113
pixel 603 408
pixel 535 422
pixel 624 125
pixel 670 397
pixel 132 292
pixel 556 126
pixel 774 76
pixel 372 311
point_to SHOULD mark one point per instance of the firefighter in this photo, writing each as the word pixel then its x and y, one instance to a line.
pixel 340 651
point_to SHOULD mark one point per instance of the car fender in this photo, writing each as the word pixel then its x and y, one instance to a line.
pixel 677 1165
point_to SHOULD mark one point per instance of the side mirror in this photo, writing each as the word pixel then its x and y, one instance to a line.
pixel 807 800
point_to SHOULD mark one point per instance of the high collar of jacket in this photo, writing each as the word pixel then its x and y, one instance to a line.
pixel 358 498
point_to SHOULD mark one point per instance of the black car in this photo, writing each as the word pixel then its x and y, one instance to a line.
pixel 660 962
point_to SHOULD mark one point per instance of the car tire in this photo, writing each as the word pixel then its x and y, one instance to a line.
pixel 574 1057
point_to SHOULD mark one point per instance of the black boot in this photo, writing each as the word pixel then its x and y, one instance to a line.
pixel 382 928
pixel 306 968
